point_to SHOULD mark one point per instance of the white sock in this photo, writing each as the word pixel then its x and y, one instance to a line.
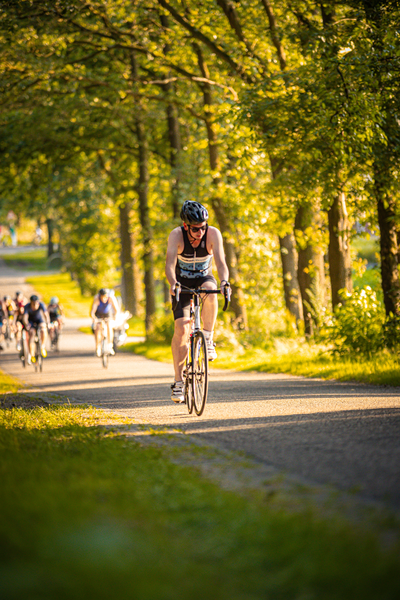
pixel 208 334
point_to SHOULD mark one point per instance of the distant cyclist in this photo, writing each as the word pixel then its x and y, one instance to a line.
pixel 55 313
pixel 191 250
pixel 3 322
pixel 10 307
pixel 104 308
pixel 36 319
pixel 20 301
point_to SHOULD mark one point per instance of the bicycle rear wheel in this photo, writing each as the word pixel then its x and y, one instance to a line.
pixel 200 372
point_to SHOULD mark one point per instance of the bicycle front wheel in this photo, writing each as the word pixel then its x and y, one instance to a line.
pixel 200 372
pixel 188 386
pixel 104 354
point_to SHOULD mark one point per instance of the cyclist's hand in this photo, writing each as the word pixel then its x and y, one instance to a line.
pixel 224 285
pixel 172 290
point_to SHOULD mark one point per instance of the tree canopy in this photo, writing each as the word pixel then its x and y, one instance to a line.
pixel 283 118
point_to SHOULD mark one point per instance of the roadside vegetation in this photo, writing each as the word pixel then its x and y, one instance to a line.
pixel 74 303
pixel 87 512
pixel 352 344
pixel 31 260
pixel 8 384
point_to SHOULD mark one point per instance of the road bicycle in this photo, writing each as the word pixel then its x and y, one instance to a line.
pixel 23 350
pixel 37 358
pixel 9 330
pixel 105 353
pixel 195 372
pixel 54 333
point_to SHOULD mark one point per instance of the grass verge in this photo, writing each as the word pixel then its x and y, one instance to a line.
pixel 33 260
pixel 60 284
pixel 75 305
pixel 304 360
pixel 87 512
pixel 8 383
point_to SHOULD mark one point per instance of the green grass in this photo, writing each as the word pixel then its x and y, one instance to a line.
pixel 161 352
pixel 136 328
pixel 34 260
pixel 367 248
pixel 87 513
pixel 295 359
pixel 75 305
pixel 60 284
pixel 8 384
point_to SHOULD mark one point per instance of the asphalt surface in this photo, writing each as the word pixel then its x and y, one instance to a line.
pixel 323 432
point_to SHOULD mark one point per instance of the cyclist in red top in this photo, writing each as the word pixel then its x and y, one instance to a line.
pixel 191 250
pixel 20 301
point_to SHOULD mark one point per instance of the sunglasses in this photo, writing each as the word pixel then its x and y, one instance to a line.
pixel 197 229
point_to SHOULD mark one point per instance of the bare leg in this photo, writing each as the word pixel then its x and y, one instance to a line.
pixel 109 332
pixel 32 334
pixel 179 346
pixel 43 335
pixel 210 307
pixel 97 334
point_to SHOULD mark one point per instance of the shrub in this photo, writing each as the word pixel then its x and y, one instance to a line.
pixel 162 329
pixel 357 325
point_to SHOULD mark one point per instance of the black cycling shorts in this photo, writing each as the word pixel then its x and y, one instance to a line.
pixel 183 307
pixel 36 324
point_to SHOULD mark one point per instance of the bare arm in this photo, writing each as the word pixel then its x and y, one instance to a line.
pixel 115 305
pixel 217 247
pixel 175 244
pixel 94 308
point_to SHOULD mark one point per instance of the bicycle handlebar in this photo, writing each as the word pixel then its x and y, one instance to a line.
pixel 199 292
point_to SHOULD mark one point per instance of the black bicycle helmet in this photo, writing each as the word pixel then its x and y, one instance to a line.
pixel 103 292
pixel 34 298
pixel 193 212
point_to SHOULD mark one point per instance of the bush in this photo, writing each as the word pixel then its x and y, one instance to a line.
pixel 391 332
pixel 358 323
pixel 162 329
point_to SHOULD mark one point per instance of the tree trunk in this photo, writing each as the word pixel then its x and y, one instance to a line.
pixel 310 267
pixel 129 287
pixel 289 260
pixel 339 249
pixel 237 301
pixel 147 233
pixel 385 160
pixel 389 256
pixel 50 236
pixel 144 213
pixel 174 157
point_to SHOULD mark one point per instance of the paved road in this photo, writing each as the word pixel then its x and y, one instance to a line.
pixel 342 434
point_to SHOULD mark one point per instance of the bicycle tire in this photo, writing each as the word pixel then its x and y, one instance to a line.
pixel 22 356
pixel 198 351
pixel 22 350
pixel 104 354
pixel 7 334
pixel 56 338
pixel 188 386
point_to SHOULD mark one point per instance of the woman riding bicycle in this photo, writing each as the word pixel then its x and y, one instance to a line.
pixel 55 316
pixel 191 249
pixel 104 308
pixel 36 321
